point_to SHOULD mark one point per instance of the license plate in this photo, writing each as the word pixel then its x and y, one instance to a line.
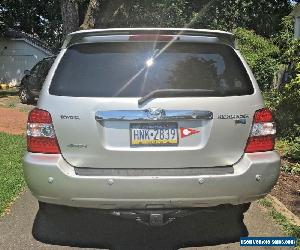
pixel 154 134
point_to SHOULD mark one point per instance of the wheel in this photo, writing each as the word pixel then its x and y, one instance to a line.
pixel 25 96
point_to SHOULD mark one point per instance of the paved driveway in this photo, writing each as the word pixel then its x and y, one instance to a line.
pixel 81 230
pixel 95 231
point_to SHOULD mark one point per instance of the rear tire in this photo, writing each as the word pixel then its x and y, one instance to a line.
pixel 25 96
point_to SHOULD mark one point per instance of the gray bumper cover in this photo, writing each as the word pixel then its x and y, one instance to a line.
pixel 51 179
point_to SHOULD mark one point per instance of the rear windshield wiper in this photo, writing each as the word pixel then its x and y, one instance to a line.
pixel 175 92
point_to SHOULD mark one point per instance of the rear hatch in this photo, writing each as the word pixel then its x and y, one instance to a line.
pixel 196 112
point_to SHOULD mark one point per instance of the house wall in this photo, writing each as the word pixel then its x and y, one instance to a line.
pixel 17 55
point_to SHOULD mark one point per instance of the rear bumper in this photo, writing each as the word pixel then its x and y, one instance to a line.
pixel 52 180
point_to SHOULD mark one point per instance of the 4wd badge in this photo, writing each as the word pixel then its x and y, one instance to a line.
pixel 184 132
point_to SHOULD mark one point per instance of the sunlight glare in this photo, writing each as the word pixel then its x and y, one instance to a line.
pixel 149 62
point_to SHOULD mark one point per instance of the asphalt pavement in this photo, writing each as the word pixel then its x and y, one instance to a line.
pixel 25 227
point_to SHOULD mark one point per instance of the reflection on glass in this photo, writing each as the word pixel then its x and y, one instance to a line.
pixel 136 69
pixel 149 62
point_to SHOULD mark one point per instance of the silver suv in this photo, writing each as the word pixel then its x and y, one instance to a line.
pixel 150 120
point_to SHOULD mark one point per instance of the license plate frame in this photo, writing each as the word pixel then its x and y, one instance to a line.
pixel 155 126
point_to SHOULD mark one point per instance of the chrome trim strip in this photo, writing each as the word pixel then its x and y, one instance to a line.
pixel 86 171
pixel 152 115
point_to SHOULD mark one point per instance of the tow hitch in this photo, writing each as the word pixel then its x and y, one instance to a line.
pixel 157 220
pixel 153 218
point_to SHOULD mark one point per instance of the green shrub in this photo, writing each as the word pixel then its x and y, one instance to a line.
pixel 291 56
pixel 289 47
pixel 285 101
pixel 286 33
pixel 261 55
pixel 286 106
pixel 293 152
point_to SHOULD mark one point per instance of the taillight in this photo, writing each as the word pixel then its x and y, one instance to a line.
pixel 150 37
pixel 262 136
pixel 41 136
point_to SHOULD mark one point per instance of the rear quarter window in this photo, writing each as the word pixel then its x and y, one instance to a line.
pixel 134 69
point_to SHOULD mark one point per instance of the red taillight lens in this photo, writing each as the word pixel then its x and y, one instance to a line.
pixel 41 136
pixel 150 37
pixel 39 116
pixel 42 145
pixel 262 136
pixel 263 115
pixel 260 144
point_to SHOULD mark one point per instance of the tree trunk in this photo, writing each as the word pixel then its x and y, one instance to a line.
pixel 92 14
pixel 101 13
pixel 70 18
pixel 112 13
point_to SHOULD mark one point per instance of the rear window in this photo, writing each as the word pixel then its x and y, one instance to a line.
pixel 134 69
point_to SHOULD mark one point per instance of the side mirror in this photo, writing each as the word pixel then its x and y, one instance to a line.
pixel 26 72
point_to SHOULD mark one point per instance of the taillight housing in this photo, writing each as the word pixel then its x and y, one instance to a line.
pixel 262 135
pixel 41 136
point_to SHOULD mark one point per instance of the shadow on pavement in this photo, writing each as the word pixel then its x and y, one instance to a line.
pixel 89 228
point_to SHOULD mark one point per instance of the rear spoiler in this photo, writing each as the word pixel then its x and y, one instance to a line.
pixel 82 36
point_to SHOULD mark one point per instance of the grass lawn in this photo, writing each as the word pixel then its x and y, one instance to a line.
pixel 11 172
pixel 288 228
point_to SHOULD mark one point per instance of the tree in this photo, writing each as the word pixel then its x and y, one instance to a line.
pixel 70 16
pixel 41 19
pixel 201 68
pixel 52 20
pixel 261 54
pixel 263 16
pixel 91 14
pixel 134 13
